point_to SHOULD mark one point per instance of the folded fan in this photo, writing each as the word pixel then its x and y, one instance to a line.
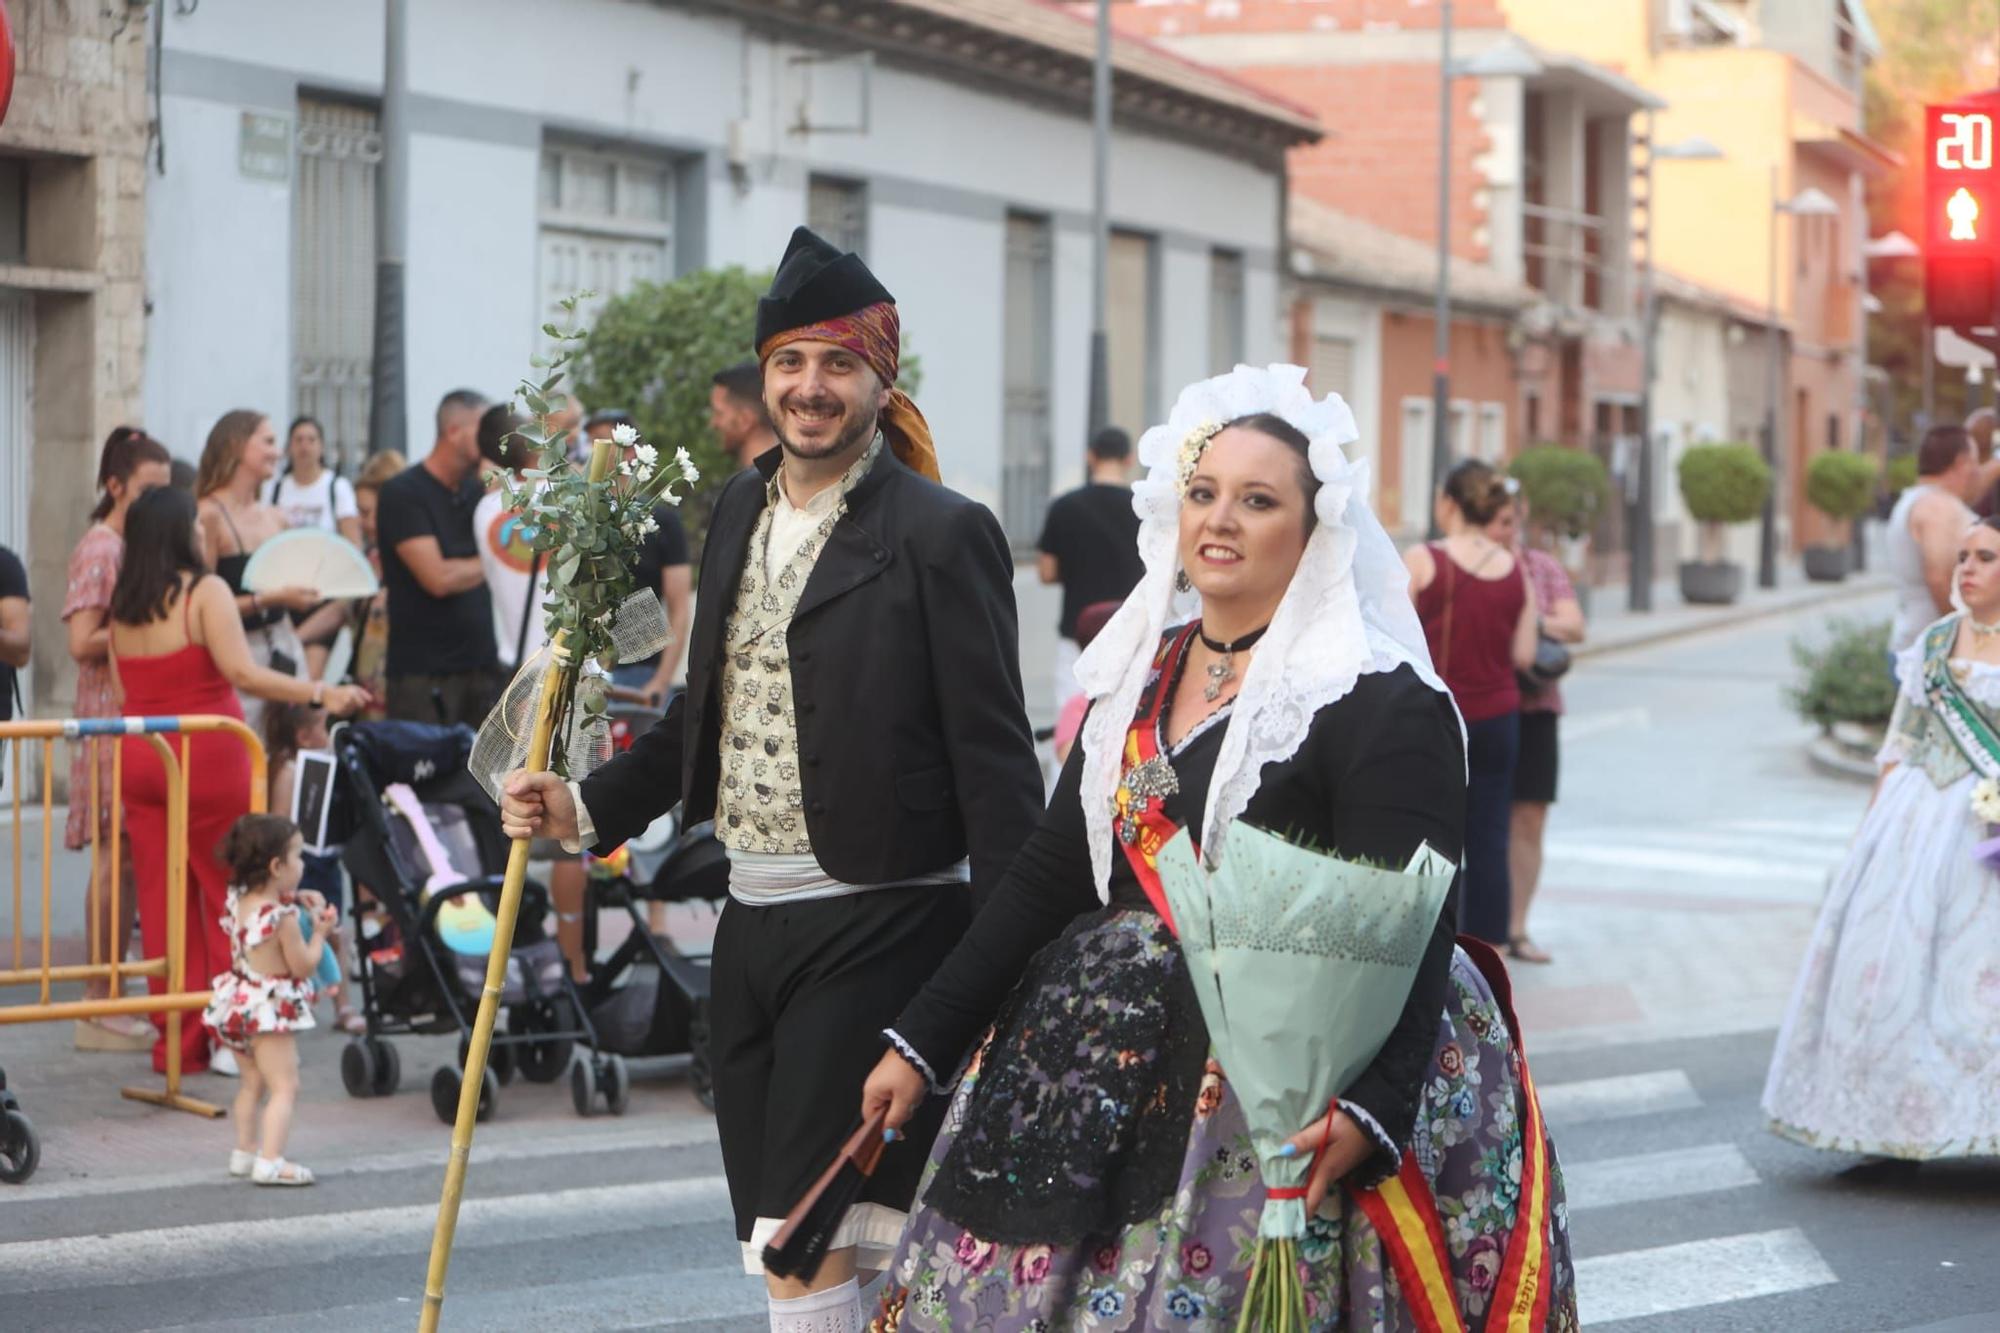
pixel 1302 963
pixel 326 562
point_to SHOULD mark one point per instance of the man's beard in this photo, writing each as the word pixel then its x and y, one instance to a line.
pixel 857 433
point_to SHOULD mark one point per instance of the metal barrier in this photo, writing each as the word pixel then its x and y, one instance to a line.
pixel 111 969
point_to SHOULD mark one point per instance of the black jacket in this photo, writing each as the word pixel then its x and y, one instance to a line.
pixel 1380 772
pixel 914 746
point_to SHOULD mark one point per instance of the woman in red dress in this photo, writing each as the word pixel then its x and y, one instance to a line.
pixel 178 648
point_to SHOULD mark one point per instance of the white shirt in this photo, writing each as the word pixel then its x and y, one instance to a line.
pixel 321 505
pixel 507 561
pixel 1905 558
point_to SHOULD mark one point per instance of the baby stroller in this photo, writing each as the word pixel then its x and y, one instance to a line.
pixel 414 822
pixel 650 996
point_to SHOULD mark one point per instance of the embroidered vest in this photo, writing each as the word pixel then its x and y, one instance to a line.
pixel 760 801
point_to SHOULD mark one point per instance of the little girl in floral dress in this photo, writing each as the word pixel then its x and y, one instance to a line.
pixel 266 996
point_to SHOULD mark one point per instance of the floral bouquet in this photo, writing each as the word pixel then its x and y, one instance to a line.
pixel 583 527
pixel 1302 963
pixel 1986 809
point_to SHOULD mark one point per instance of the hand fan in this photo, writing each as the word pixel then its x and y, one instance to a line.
pixel 326 562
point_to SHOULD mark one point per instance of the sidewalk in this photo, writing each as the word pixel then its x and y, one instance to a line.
pixel 1615 628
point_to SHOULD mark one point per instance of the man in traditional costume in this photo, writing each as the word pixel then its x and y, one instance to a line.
pixel 853 724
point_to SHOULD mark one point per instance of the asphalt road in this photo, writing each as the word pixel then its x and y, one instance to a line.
pixel 1686 860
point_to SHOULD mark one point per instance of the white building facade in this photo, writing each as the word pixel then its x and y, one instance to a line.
pixel 599 143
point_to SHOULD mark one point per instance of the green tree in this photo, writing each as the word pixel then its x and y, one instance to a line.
pixel 654 351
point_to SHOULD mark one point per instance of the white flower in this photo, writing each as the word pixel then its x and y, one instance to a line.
pixel 689 472
pixel 668 497
pixel 650 526
pixel 624 436
pixel 1986 801
pixel 648 457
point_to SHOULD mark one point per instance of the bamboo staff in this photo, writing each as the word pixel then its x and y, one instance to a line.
pixel 556 686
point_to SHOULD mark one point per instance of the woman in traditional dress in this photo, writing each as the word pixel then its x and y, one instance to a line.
pixel 1891 1046
pixel 1096 1169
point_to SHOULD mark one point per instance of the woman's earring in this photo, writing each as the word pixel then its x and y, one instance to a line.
pixel 1181 581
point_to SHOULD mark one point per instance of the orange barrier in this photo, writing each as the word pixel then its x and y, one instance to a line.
pixel 105 964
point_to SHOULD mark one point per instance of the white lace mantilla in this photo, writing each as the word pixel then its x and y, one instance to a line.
pixel 1346 612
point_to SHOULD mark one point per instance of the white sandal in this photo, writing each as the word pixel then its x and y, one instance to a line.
pixel 241 1162
pixel 280 1172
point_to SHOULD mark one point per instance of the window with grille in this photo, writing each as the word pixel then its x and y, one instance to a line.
pixel 1131 335
pixel 606 227
pixel 1025 448
pixel 1332 369
pixel 1225 310
pixel 1493 433
pixel 1416 463
pixel 838 211
pixel 333 272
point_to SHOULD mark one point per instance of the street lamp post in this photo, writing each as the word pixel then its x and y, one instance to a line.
pixel 1639 587
pixel 1505 60
pixel 1100 223
pixel 1807 203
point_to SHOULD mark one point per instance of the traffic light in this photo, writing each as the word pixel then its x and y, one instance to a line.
pixel 1962 213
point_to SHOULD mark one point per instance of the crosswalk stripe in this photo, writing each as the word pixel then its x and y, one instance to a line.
pixel 1585 1100
pixel 1611 1182
pixel 67 1262
pixel 1747 872
pixel 674 1298
pixel 1671 1278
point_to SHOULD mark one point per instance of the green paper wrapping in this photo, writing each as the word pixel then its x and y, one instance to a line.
pixel 1302 963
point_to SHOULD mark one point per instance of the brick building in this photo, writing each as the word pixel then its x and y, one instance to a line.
pixel 73 163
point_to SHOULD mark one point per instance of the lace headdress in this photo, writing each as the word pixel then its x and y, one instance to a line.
pixel 1347 610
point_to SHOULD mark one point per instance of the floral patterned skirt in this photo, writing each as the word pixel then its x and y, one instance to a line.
pixel 1186 1266
pixel 246 1007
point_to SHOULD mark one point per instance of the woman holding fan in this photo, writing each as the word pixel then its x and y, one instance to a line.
pixel 1268 676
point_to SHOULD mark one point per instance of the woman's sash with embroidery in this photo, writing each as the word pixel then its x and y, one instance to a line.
pixel 1141 822
pixel 1955 713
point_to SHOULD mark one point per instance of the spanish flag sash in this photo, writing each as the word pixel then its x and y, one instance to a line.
pixel 1141 821
pixel 1405 1214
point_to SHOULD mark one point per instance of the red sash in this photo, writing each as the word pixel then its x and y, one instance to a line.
pixel 1402 1208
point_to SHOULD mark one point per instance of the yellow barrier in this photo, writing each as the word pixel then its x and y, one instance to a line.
pixel 112 969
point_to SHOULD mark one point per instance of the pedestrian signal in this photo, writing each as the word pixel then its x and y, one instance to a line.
pixel 1961 187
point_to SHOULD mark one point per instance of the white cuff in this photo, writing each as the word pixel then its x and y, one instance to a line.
pixel 586 828
pixel 909 1052
pixel 1374 1128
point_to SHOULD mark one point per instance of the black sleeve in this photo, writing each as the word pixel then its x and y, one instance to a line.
pixel 399 516
pixel 966 583
pixel 1054 536
pixel 639 786
pixel 13 575
pixel 1048 884
pixel 1400 783
pixel 670 543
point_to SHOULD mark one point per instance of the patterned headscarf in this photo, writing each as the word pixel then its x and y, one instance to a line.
pixel 875 334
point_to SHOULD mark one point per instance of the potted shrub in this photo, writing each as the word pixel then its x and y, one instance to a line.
pixel 1841 486
pixel 1845 686
pixel 1566 489
pixel 1722 484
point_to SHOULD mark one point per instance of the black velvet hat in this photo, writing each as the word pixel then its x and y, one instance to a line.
pixel 815 282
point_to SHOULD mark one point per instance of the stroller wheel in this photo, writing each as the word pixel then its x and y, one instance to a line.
pixel 359 1069
pixel 388 1067
pixel 445 1085
pixel 20 1151
pixel 583 1086
pixel 617 1084
pixel 701 1073
pixel 545 1061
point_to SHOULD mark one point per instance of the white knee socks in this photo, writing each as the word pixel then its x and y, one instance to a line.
pixel 835 1310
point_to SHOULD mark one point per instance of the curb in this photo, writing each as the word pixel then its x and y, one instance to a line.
pixel 1829 756
pixel 1727 617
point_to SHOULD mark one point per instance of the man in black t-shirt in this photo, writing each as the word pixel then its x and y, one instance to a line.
pixel 443 664
pixel 1090 545
pixel 14 636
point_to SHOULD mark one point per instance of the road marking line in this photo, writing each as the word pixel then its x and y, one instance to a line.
pixel 67 1262
pixel 1671 1278
pixel 1583 726
pixel 1684 862
pixel 1586 1100
pixel 1610 1182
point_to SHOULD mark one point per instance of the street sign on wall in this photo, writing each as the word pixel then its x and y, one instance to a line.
pixel 1962 212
